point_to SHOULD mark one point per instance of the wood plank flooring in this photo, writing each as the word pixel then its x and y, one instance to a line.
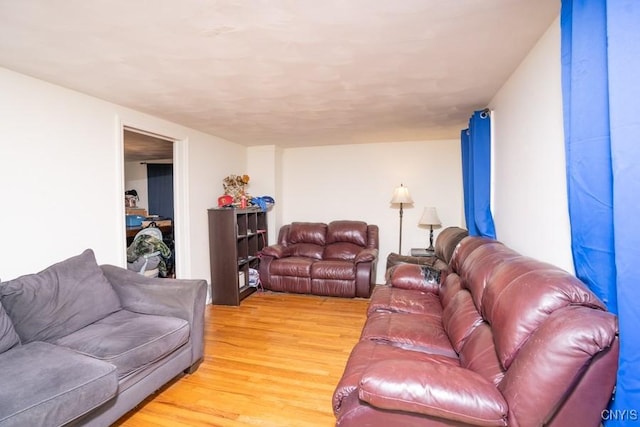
pixel 273 361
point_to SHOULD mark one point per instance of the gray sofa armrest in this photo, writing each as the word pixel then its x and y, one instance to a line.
pixel 184 299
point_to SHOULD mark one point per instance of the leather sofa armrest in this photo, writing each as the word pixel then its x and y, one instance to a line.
pixel 275 251
pixel 415 277
pixel 366 255
pixel 433 389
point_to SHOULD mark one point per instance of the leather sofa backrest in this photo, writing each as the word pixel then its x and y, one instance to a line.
pixel 306 239
pixel 347 231
pixel 465 247
pixel 520 306
pixel 307 232
pixel 338 240
pixel 447 242
pixel 527 326
pixel 345 239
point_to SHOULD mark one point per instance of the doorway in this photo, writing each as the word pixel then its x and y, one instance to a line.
pixel 149 198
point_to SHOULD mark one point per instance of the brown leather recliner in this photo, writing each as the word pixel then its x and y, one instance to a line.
pixel 335 259
pixel 502 340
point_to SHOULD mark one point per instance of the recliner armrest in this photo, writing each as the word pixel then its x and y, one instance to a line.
pixel 433 389
pixel 366 255
pixel 276 251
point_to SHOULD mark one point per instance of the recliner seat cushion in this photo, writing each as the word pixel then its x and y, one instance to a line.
pixel 410 331
pixel 291 266
pixel 339 270
pixel 60 299
pixel 128 340
pixel 390 299
pixel 47 385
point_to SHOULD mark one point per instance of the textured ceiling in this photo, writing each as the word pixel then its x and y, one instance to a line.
pixel 284 72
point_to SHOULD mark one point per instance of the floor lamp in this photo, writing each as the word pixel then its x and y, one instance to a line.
pixel 401 196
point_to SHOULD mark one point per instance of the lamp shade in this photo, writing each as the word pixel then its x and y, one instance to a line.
pixel 401 195
pixel 430 217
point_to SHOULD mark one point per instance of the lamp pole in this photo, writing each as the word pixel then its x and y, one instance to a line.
pixel 400 241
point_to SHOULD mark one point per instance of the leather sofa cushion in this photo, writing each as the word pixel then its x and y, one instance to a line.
pixel 390 299
pixel 8 335
pixel 309 250
pixel 460 317
pixel 291 266
pixel 348 231
pixel 48 385
pixel 479 355
pixel 411 331
pixel 129 340
pixel 342 251
pixel 339 270
pixel 454 393
pixel 61 299
pixel 365 353
pixel 308 232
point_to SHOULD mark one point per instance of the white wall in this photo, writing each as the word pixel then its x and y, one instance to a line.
pixel 356 182
pixel 264 166
pixel 135 178
pixel 530 192
pixel 61 177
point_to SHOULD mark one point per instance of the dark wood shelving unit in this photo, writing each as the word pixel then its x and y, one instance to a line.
pixel 236 237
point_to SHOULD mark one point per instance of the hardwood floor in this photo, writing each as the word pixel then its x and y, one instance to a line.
pixel 273 361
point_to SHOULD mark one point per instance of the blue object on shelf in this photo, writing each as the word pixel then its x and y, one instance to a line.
pixel 134 220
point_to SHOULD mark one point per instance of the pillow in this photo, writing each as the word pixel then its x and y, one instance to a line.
pixel 8 336
pixel 59 300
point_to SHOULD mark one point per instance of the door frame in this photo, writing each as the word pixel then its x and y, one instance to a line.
pixel 180 191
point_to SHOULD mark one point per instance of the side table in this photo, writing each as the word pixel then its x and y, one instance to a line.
pixel 421 252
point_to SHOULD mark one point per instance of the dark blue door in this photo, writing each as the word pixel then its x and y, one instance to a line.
pixel 160 187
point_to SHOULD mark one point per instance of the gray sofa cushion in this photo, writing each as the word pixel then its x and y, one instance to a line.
pixel 45 385
pixel 8 335
pixel 60 299
pixel 130 341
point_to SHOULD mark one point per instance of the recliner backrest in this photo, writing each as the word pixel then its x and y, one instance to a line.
pixel 306 239
pixel 345 239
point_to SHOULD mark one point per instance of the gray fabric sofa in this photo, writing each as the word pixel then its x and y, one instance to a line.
pixel 83 344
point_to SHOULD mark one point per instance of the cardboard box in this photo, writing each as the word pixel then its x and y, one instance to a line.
pixel 136 211
pixel 241 283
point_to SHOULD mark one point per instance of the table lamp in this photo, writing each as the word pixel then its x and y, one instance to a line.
pixel 430 218
pixel 401 196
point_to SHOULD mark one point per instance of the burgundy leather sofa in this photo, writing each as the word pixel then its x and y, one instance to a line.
pixel 500 340
pixel 336 259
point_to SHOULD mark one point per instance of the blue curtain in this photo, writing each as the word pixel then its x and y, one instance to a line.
pixel 160 189
pixel 476 175
pixel 601 97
